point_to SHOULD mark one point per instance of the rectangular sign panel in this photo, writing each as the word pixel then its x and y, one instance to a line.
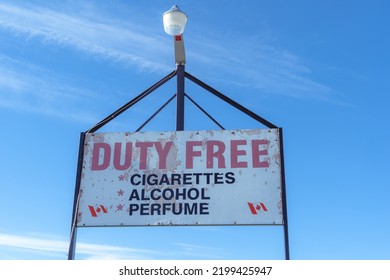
pixel 227 177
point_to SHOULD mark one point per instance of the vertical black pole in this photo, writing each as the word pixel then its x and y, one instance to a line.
pixel 73 228
pixel 180 98
pixel 284 197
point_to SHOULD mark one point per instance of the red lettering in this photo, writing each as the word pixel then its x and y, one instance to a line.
pixel 256 153
pixel 190 153
pixel 117 156
pixel 235 153
pixel 96 162
pixel 143 155
pixel 162 153
pixel 242 152
pixel 218 154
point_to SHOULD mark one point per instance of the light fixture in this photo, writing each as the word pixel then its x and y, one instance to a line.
pixel 174 21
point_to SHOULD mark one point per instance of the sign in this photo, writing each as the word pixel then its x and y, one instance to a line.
pixel 227 177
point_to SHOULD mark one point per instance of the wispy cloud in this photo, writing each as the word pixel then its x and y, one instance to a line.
pixel 106 38
pixel 27 87
pixel 255 64
pixel 242 61
pixel 43 246
pixel 249 63
pixel 47 246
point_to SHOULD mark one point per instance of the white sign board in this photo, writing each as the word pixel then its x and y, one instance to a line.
pixel 228 177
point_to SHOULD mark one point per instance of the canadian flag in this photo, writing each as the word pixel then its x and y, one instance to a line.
pixel 95 211
pixel 256 208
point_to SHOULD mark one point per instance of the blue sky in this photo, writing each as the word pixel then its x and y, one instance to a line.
pixel 319 69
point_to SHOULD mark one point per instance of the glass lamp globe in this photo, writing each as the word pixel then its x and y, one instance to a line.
pixel 174 21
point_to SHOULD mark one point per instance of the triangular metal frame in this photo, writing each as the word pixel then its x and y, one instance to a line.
pixel 163 81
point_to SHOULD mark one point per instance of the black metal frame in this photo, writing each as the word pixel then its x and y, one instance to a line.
pixel 73 229
pixel 180 99
pixel 132 102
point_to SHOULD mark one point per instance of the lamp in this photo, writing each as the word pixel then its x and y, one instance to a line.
pixel 174 21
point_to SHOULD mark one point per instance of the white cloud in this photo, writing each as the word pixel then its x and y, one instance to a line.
pixel 27 87
pixel 110 39
pixel 254 64
pixel 245 63
pixel 45 246
pixel 33 88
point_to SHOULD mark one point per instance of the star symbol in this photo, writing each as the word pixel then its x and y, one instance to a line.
pixel 119 207
pixel 120 192
pixel 121 178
